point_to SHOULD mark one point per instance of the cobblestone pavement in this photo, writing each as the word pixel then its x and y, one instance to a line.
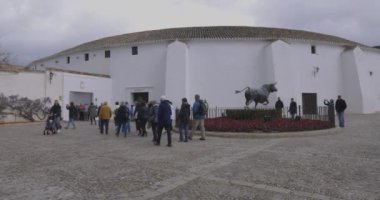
pixel 82 164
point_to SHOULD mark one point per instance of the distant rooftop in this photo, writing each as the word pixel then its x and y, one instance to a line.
pixel 211 32
pixel 10 68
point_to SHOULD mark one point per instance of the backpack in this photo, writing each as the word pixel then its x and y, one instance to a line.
pixel 202 108
pixel 153 114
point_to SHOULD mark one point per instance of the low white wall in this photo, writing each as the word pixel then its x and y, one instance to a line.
pixel 100 87
pixel 24 84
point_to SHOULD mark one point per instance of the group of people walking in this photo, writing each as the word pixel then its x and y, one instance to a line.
pixel 154 115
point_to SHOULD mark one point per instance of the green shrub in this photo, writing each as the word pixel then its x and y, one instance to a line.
pixel 246 114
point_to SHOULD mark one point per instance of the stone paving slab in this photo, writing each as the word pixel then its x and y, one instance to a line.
pixel 82 164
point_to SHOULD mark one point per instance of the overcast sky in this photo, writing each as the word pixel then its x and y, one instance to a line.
pixel 32 29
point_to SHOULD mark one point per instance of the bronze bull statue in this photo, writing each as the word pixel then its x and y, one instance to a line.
pixel 258 95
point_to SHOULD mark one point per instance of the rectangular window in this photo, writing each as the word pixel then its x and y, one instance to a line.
pixel 313 49
pixel 134 50
pixel 68 59
pixel 107 54
pixel 86 56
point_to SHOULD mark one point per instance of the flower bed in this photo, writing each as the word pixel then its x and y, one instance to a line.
pixel 225 124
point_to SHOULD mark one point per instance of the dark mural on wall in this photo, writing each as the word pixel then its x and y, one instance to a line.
pixel 24 107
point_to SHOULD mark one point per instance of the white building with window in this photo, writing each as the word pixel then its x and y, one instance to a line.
pixel 216 61
pixel 62 85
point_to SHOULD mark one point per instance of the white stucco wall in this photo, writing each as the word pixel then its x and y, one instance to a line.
pixel 144 72
pixel 372 62
pixel 100 88
pixel 97 62
pixel 352 91
pixel 278 57
pixel 54 87
pixel 177 69
pixel 369 84
pixel 25 84
pixel 319 73
pixel 218 68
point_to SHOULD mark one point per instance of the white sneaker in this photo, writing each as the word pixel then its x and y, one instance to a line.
pixel 59 130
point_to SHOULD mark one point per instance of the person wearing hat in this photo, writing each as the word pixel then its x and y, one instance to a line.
pixel 164 120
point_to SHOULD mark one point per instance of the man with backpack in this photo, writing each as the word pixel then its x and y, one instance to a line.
pixel 164 121
pixel 199 112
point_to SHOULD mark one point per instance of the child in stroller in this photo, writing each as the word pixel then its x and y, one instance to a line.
pixel 51 125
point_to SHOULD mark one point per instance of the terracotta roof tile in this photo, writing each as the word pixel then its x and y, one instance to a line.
pixel 212 32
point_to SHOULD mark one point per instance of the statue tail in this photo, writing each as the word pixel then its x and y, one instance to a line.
pixel 238 91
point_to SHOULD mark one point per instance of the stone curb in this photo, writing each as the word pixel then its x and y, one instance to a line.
pixel 331 131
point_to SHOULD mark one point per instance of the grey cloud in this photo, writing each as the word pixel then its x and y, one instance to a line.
pixel 353 20
pixel 37 29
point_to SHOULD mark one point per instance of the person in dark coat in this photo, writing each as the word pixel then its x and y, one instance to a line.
pixel 92 112
pixel 142 118
pixel 279 105
pixel 121 116
pixel 153 118
pixel 340 106
pixel 292 108
pixel 72 114
pixel 56 112
pixel 184 118
pixel 164 120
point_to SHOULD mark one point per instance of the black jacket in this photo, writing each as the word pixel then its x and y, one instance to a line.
pixel 72 111
pixel 56 110
pixel 340 105
pixel 293 107
pixel 279 105
pixel 184 112
pixel 121 114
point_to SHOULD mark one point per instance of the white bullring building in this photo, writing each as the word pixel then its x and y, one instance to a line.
pixel 216 61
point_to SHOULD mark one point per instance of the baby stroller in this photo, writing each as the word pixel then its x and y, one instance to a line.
pixel 51 126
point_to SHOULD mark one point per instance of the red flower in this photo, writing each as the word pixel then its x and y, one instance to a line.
pixel 225 124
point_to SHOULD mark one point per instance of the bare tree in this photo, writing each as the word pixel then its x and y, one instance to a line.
pixel 24 107
pixel 4 56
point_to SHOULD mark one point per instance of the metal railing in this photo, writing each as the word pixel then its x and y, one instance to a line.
pixel 321 113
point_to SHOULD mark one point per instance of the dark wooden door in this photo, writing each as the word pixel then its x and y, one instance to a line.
pixel 309 103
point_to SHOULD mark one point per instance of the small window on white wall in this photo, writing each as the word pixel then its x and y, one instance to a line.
pixel 107 54
pixel 68 59
pixel 313 49
pixel 134 50
pixel 86 56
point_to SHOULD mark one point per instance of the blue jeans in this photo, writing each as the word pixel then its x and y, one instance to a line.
pixel 341 119
pixel 127 127
pixel 183 131
pixel 104 124
pixel 71 121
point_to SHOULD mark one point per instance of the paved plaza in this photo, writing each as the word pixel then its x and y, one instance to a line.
pixel 82 164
